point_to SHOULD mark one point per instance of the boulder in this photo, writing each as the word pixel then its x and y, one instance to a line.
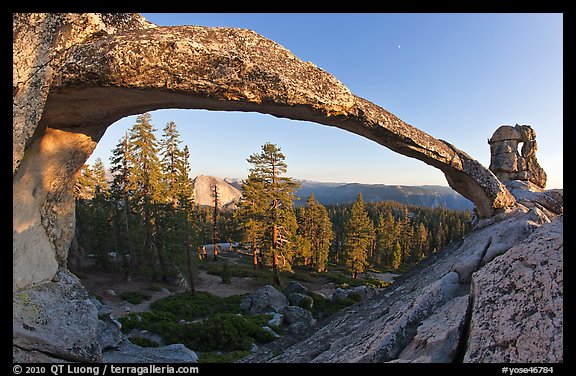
pixel 264 300
pixel 128 352
pixel 276 320
pixel 301 300
pixel 295 287
pixel 59 319
pixel 364 292
pixel 298 320
pixel 507 163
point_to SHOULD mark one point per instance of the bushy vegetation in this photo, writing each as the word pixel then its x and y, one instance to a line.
pixel 202 322
pixel 185 306
pixel 134 297
pixel 225 331
pixel 143 342
pixel 324 307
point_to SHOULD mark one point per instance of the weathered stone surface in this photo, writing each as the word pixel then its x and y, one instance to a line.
pixel 364 292
pixel 505 160
pixel 233 69
pixel 300 300
pixel 264 300
pixel 57 318
pixel 437 338
pixel 296 287
pixel 550 201
pixel 517 312
pixel 298 320
pixel 40 44
pixel 75 74
pixel 127 352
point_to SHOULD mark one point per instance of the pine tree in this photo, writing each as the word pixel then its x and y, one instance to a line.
pixel 146 178
pixel 316 229
pixel 252 214
pixel 275 218
pixel 121 189
pixel 215 197
pixel 359 236
pixel 171 163
pixel 396 256
pixel 84 187
pixel 421 240
pixel 99 173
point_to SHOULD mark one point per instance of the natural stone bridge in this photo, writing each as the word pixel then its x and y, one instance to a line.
pixel 83 72
pixel 76 74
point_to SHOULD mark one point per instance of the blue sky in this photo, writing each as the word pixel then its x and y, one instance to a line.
pixel 457 77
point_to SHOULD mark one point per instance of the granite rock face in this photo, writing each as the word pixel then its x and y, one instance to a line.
pixel 127 352
pixel 509 164
pixel 517 309
pixel 58 319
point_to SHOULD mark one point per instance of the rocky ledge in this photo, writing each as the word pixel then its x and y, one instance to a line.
pixel 496 296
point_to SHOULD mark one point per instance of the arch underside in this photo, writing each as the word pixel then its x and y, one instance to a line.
pixel 224 69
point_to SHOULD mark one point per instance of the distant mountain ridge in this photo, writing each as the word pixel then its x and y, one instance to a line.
pixel 424 195
pixel 340 193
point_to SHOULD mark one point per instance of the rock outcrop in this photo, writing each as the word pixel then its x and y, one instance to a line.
pixel 505 160
pixel 494 297
pixel 75 74
pixel 517 302
pixel 228 196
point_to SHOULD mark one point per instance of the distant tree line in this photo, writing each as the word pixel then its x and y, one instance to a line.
pixel 146 216
pixel 388 235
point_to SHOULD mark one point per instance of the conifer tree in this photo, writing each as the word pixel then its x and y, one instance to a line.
pixel 396 256
pixel 251 215
pixel 146 179
pixel 316 229
pixel 171 163
pixel 121 163
pixel 274 193
pixel 215 197
pixel 359 236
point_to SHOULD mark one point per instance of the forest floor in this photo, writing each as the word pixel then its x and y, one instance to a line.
pixel 109 286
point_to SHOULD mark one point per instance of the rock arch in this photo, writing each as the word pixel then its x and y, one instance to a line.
pixel 107 67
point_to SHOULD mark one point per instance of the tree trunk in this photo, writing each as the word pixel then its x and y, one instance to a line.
pixel 254 257
pixel 133 262
pixel 190 274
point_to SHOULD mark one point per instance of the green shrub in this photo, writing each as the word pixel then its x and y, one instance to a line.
pixel 224 331
pixel 97 296
pixel 134 297
pixel 324 307
pixel 376 283
pixel 152 321
pixel 355 297
pixel 190 307
pixel 226 274
pixel 143 342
